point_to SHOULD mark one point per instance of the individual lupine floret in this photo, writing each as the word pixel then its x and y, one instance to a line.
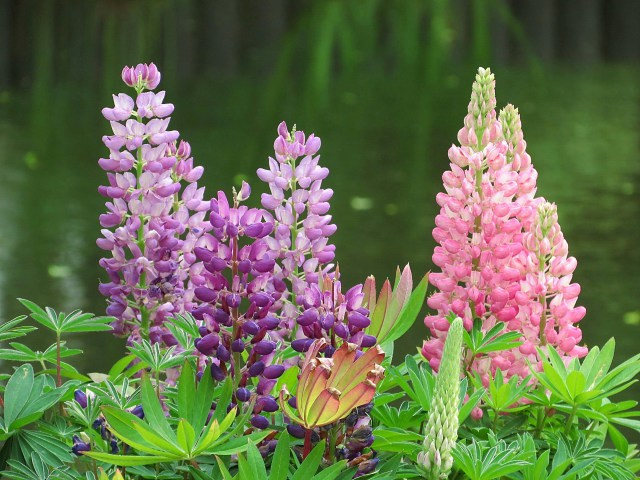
pixel 152 222
pixel 441 431
pixel 488 205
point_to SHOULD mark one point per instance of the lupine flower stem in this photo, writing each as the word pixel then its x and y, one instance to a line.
pixel 58 362
pixel 307 443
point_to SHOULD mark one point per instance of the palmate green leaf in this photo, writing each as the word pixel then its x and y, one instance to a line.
pixel 121 365
pixel 209 437
pixel 184 329
pixel 77 322
pixel 122 426
pixel 479 461
pixel 186 399
pixel 422 381
pixel 169 448
pixel 153 412
pixel 397 440
pixel 226 475
pixel 186 436
pixel 255 463
pixel 11 329
pixel 226 446
pixel 129 460
pixel 467 407
pixel 17 393
pixel 39 315
pixel 335 471
pixel 52 451
pixel 409 312
pixel 310 465
pixel 280 461
pixel 224 398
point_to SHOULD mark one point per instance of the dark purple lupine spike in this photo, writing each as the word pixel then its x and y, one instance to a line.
pixel 138 411
pixel 341 330
pixel 308 317
pixel 358 320
pixel 266 404
pixel 233 300
pixel 269 323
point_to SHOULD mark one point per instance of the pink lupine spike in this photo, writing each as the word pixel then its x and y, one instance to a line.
pixel 501 253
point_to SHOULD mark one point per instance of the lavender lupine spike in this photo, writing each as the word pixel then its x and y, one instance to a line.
pixel 152 223
pixel 497 264
pixel 300 206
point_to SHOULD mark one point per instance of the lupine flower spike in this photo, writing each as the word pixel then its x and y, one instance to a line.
pixel 501 253
pixel 155 213
pixel 441 431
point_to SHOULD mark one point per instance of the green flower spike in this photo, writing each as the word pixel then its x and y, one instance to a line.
pixel 441 431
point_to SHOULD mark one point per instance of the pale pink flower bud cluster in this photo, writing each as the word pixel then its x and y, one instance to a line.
pixel 500 250
pixel 156 213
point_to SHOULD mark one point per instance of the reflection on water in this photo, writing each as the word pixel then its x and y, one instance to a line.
pixel 385 142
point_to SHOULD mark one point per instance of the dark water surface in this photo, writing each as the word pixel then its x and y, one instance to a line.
pixel 385 141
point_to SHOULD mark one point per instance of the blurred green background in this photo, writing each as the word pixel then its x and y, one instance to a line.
pixel 385 84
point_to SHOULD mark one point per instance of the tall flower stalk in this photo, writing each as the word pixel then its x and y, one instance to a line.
pixel 493 266
pixel 155 212
pixel 441 431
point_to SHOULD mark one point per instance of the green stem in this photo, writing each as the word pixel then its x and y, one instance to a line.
pixel 572 415
pixel 144 312
pixel 333 437
pixel 58 362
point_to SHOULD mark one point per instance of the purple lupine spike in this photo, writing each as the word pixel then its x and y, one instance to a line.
pixel 151 229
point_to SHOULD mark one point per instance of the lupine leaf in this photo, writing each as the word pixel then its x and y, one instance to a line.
pixel 238 444
pixel 409 312
pixel 17 393
pixel 122 427
pixel 310 464
pixel 186 398
pixel 280 461
pixel 128 460
pixel 256 464
pixel 153 410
